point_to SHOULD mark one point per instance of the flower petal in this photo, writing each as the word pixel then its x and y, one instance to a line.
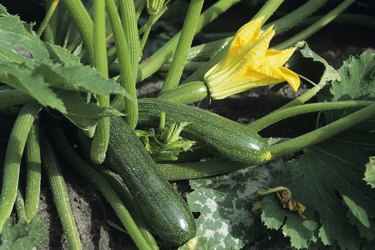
pixel 279 57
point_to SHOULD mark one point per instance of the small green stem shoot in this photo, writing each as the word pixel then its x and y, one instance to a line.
pixel 47 18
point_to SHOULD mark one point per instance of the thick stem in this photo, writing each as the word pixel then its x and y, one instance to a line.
pixel 285 113
pixel 295 17
pixel 10 97
pixel 13 157
pixel 33 178
pixel 184 43
pixel 101 136
pixel 84 24
pixel 157 60
pixel 60 194
pixel 322 22
pixel 268 9
pixel 321 134
pixel 124 58
pixel 129 23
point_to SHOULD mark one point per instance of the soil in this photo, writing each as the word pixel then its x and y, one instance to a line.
pixel 335 43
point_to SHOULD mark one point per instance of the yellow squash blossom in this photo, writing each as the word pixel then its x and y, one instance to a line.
pixel 249 63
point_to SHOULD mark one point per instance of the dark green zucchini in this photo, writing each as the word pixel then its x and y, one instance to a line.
pixel 222 136
pixel 165 212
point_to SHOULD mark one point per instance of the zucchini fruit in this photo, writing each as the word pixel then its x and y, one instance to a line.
pixel 164 210
pixel 222 136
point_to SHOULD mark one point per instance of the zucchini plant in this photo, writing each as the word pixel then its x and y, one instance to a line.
pixel 77 73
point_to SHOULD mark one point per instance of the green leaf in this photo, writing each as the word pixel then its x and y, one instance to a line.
pixel 23 235
pixel 225 203
pixel 52 75
pixel 370 172
pixel 321 179
pixel 357 83
pixel 329 74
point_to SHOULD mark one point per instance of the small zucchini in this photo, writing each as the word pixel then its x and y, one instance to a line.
pixel 222 136
pixel 164 210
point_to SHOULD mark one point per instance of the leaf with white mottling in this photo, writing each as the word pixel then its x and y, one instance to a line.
pixel 370 172
pixel 225 203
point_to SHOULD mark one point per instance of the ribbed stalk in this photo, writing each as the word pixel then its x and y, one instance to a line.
pixel 321 134
pixel 60 194
pixel 303 109
pixel 268 9
pixel 101 137
pixel 157 60
pixel 84 24
pixel 10 97
pixel 47 18
pixel 322 22
pixel 126 70
pixel 13 157
pixel 295 17
pixel 129 23
pixel 184 43
pixel 33 178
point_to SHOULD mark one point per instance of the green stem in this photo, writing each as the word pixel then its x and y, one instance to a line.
pixel 126 70
pixel 184 43
pixel 10 97
pixel 125 196
pixel 157 60
pixel 145 29
pixel 48 17
pixel 13 157
pixel 321 134
pixel 268 9
pixel 20 206
pixel 60 194
pixel 101 136
pixel 129 22
pixel 307 95
pixel 84 24
pixel 189 67
pixel 195 170
pixel 118 185
pixel 89 173
pixel 295 17
pixel 322 22
pixel 285 113
pixel 139 6
pixel 33 178
pixel 186 93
